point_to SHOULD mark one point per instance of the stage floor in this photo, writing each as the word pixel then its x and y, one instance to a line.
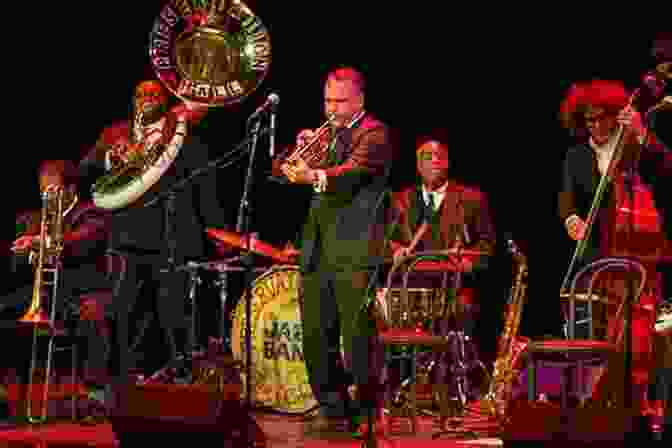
pixel 280 431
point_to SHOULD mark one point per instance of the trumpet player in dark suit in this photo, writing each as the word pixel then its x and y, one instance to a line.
pixel 342 244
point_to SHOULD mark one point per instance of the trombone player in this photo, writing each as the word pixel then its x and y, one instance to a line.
pixel 84 269
pixel 342 244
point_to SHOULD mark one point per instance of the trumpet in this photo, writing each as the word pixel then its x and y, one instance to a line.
pixel 314 151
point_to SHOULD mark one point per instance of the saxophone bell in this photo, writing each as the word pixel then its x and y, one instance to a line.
pixel 511 346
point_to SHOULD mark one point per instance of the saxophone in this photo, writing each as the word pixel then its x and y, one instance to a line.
pixel 511 346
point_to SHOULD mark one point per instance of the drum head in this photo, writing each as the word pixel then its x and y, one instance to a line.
pixel 280 378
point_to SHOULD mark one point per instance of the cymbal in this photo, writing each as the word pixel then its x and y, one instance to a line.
pixel 240 241
pixel 435 266
pixel 583 297
pixel 450 253
pixel 455 253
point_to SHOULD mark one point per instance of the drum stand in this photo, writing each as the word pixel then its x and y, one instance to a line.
pixel 458 372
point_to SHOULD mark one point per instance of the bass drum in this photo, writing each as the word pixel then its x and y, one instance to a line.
pixel 280 378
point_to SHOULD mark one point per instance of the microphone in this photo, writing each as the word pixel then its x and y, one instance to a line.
pixel 270 103
pixel 510 244
pixel 271 137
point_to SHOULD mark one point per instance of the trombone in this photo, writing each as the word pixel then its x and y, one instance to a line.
pixel 45 286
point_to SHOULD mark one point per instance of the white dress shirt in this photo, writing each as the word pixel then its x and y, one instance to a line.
pixel 437 195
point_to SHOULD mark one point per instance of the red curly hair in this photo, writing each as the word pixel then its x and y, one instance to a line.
pixel 583 96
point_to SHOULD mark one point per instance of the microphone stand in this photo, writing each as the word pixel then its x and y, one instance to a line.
pixel 167 200
pixel 247 260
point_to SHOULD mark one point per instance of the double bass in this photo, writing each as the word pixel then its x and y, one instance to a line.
pixel 635 232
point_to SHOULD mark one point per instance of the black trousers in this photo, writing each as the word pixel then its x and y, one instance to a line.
pixel 331 309
pixel 143 274
pixel 74 282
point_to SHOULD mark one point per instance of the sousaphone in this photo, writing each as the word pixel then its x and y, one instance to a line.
pixel 214 53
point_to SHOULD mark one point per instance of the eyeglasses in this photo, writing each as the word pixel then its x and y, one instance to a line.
pixel 598 118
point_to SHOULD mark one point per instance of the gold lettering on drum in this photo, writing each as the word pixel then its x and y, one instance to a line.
pixel 283 340
pixel 280 376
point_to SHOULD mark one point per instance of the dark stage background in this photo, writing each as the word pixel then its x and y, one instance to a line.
pixel 495 85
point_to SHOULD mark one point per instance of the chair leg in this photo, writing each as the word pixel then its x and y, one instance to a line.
pixel 413 399
pixel 531 379
pixel 75 390
pixel 563 386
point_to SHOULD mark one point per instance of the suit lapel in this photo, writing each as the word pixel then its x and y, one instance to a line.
pixel 343 142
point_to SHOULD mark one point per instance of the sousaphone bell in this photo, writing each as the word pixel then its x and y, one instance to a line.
pixel 212 52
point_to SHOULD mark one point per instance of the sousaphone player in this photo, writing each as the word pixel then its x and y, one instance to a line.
pixel 192 48
pixel 138 232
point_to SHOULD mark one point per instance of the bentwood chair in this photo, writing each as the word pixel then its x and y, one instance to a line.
pixel 575 354
pixel 406 335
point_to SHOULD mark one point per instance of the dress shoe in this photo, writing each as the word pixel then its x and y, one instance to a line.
pixel 381 425
pixel 96 411
pixel 321 423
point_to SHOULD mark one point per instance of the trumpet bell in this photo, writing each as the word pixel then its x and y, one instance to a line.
pixel 211 52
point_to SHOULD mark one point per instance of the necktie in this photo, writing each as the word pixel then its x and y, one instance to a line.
pixel 432 217
pixel 430 202
pixel 332 159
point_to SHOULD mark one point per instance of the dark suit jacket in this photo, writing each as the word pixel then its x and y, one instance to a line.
pixel 84 264
pixel 138 229
pixel 86 230
pixel 345 225
pixel 580 178
pixel 462 208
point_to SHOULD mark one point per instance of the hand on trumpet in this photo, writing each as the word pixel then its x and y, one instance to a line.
pixel 305 136
pixel 400 252
pixel 298 172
